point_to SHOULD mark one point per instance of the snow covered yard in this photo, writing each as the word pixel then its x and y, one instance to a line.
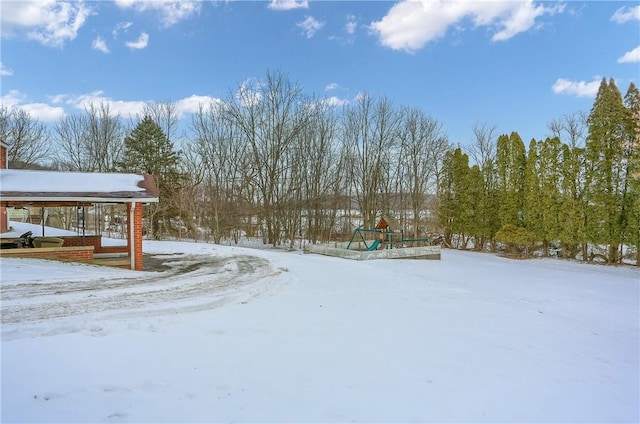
pixel 227 334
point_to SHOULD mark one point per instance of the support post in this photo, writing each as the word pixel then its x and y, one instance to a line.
pixel 134 236
pixel 131 235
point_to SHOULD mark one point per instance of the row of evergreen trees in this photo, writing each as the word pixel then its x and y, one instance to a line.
pixel 556 192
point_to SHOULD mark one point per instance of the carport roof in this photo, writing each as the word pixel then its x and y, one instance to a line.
pixel 53 188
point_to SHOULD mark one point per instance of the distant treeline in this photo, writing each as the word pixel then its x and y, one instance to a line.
pixel 273 161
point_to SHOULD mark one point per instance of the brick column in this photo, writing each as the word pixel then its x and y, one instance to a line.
pixel 134 235
pixel 3 155
pixel 4 219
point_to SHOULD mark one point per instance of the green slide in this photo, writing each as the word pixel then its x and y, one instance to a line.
pixel 373 246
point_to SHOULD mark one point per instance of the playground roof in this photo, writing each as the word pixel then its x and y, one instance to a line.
pixel 387 222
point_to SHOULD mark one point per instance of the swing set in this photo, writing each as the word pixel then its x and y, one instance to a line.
pixel 384 237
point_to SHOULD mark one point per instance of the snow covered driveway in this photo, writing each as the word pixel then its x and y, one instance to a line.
pixel 190 282
pixel 236 335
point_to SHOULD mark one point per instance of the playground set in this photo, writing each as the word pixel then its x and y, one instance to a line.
pixel 381 242
pixel 384 237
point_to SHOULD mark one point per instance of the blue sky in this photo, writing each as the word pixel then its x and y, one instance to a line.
pixel 514 65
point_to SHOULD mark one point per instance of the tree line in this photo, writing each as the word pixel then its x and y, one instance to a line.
pixel 272 161
pixel 575 190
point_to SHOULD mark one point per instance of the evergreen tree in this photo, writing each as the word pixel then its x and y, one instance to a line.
pixel 454 197
pixel 550 176
pixel 490 201
pixel 446 201
pixel 532 212
pixel 510 168
pixel 546 214
pixel 573 213
pixel 149 151
pixel 607 181
pixel 518 240
pixel 632 151
pixel 475 202
pixel 483 153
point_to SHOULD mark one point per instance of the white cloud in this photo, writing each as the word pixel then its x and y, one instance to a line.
pixel 171 11
pixel 331 86
pixel 140 43
pixel 625 14
pixel 4 71
pixel 310 26
pixel 122 26
pixel 100 44
pixel 49 22
pixel 523 18
pixel 83 101
pixel 127 109
pixel 124 4
pixel 192 103
pixel 12 99
pixel 336 101
pixel 410 25
pixel 288 4
pixel 248 94
pixel 351 25
pixel 130 109
pixel 577 88
pixel 632 56
pixel 41 111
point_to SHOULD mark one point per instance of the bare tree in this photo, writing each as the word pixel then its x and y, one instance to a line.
pixel 369 128
pixel 92 142
pixel 27 137
pixel 571 129
pixel 166 115
pixel 423 147
pixel 317 160
pixel 187 197
pixel 270 114
pixel 70 135
pixel 483 149
pixel 105 136
pixel 222 157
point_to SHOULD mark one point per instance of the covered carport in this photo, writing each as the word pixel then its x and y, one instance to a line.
pixel 79 189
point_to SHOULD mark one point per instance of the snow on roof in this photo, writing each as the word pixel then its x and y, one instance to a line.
pixel 71 182
pixel 19 184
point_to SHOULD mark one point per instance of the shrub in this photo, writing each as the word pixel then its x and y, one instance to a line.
pixel 517 239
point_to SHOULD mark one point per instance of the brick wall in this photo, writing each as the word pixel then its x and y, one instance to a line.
pixel 92 240
pixel 75 253
pixel 95 241
pixel 111 249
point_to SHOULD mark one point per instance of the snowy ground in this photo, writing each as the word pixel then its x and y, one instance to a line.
pixel 227 334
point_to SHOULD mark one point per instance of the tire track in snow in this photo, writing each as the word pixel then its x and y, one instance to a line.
pixel 192 282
